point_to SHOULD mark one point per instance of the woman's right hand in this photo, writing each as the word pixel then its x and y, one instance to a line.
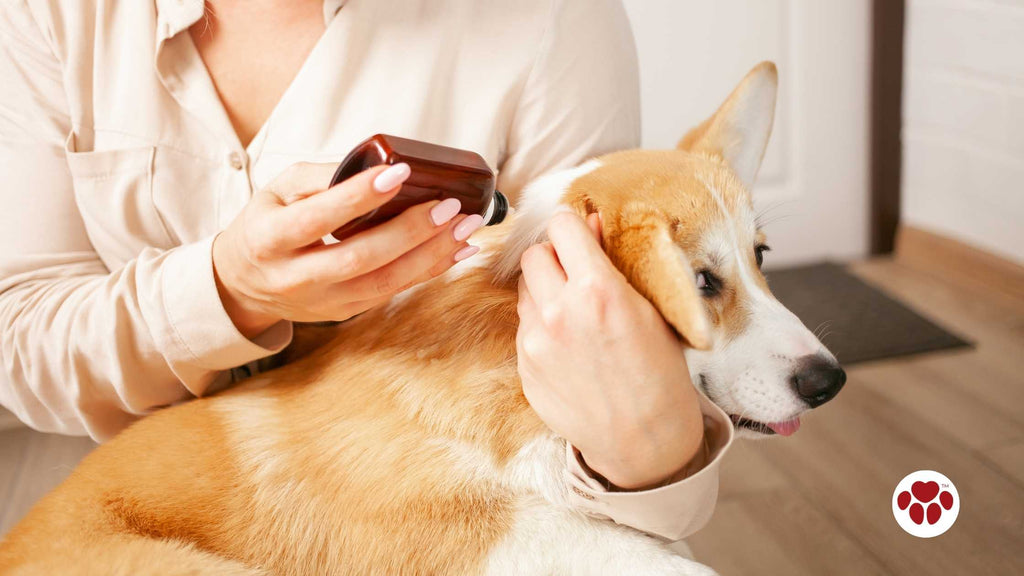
pixel 271 264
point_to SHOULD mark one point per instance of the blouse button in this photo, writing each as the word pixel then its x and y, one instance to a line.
pixel 236 161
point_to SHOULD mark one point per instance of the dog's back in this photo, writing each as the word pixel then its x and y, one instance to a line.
pixel 391 435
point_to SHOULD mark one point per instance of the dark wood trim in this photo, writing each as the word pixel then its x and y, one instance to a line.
pixel 886 121
pixel 961 264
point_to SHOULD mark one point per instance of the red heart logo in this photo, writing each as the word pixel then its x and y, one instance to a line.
pixel 925 491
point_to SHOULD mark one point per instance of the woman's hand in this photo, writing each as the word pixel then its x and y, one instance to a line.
pixel 271 264
pixel 598 363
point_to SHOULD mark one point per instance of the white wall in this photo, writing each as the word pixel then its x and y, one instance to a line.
pixel 963 125
pixel 815 178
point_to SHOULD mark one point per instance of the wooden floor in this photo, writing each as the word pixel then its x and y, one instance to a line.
pixel 819 502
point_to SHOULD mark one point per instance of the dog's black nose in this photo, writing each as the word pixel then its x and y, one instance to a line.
pixel 817 379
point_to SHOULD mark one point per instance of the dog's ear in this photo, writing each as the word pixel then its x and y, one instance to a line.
pixel 641 247
pixel 738 132
pixel 538 202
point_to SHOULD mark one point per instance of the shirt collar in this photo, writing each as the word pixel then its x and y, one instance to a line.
pixel 173 16
pixel 331 8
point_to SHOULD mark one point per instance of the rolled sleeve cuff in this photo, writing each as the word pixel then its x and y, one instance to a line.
pixel 671 512
pixel 204 333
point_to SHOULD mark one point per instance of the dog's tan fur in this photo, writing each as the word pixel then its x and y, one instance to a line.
pixel 381 450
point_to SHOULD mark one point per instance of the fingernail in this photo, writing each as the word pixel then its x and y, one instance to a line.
pixel 467 226
pixel 445 211
pixel 393 176
pixel 466 253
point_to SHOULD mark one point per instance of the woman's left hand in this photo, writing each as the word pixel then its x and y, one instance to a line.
pixel 598 363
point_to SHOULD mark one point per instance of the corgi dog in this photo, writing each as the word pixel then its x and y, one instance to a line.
pixel 403 444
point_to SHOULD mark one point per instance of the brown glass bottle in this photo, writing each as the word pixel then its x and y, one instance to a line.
pixel 438 172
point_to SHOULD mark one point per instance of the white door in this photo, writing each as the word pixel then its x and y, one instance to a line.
pixel 813 186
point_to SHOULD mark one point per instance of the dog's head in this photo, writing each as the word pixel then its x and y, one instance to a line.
pixel 680 226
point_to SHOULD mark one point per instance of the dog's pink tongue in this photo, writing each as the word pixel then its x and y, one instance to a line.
pixel 786 428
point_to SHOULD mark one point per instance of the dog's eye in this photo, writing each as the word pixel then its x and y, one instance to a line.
pixel 759 251
pixel 708 283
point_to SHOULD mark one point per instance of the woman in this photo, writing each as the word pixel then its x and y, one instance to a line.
pixel 159 232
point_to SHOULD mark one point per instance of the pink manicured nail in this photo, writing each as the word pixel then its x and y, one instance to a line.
pixel 467 226
pixel 445 211
pixel 466 253
pixel 393 176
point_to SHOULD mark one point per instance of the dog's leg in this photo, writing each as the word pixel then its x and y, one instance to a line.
pixel 547 540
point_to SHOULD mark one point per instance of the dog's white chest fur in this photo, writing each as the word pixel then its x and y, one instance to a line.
pixel 550 537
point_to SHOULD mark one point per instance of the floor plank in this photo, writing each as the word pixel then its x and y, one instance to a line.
pixel 926 389
pixel 1009 459
pixel 780 532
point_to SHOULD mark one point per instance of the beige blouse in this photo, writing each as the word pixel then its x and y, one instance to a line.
pixel 118 165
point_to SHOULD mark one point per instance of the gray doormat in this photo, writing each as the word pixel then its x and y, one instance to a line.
pixel 857 321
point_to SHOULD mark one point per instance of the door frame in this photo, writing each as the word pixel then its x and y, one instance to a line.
pixel 886 122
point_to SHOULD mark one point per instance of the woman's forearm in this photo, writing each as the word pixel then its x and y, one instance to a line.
pixel 86 351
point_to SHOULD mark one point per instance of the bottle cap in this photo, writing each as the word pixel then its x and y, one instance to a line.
pixel 498 209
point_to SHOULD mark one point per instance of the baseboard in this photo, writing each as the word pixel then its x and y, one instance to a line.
pixel 959 263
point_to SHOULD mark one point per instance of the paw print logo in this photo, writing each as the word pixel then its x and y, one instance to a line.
pixel 925 504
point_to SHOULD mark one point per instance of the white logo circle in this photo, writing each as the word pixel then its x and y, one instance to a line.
pixel 925 503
